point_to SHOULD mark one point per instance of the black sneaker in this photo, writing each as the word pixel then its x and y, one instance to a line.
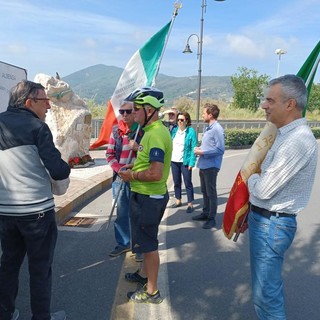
pixel 118 250
pixel 200 217
pixel 176 205
pixel 189 209
pixel 209 224
pixel 59 315
pixel 142 296
pixel 135 277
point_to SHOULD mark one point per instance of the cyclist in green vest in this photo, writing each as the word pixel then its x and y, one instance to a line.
pixel 149 195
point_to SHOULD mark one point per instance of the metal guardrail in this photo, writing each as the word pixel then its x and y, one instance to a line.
pixel 96 125
pixel 226 124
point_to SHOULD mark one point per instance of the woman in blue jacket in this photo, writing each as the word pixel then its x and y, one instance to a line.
pixel 183 159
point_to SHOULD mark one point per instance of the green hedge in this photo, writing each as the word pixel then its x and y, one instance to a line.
pixel 316 132
pixel 239 138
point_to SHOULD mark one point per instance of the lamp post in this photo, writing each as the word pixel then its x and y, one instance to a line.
pixel 279 52
pixel 199 56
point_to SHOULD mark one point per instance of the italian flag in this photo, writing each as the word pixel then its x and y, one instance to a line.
pixel 140 71
pixel 238 201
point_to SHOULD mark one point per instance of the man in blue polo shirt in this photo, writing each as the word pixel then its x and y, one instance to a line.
pixel 210 157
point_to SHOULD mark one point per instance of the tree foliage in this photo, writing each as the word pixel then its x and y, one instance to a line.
pixel 98 111
pixel 185 104
pixel 314 98
pixel 248 88
pixel 189 105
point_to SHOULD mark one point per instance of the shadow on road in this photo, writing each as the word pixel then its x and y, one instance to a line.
pixel 209 275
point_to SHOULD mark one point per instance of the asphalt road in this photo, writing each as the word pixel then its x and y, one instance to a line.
pixel 203 275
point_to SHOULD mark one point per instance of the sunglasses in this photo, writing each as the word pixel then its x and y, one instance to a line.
pixel 127 111
pixel 182 120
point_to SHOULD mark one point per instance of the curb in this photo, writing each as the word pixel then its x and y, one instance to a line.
pixel 80 190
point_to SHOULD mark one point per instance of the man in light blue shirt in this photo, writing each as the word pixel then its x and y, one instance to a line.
pixel 210 157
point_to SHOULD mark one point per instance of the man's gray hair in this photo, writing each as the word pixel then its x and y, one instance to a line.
pixel 22 91
pixel 293 88
pixel 126 103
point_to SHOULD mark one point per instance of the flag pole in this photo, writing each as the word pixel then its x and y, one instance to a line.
pixel 175 13
pixel 177 6
pixel 313 71
pixel 121 184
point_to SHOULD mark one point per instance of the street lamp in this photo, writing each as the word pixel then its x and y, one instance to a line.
pixel 199 56
pixel 279 52
pixel 187 49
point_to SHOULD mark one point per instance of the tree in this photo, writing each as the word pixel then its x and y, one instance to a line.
pixel 185 104
pixel 98 111
pixel 314 98
pixel 248 88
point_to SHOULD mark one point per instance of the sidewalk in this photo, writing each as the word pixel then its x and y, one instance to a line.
pixel 85 183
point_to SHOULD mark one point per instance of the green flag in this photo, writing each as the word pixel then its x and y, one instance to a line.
pixel 309 68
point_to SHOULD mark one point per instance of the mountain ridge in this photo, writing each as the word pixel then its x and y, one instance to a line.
pixel 98 82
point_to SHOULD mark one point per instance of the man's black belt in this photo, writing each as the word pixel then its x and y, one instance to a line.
pixel 38 215
pixel 266 213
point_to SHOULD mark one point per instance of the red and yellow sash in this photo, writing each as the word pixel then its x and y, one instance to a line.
pixel 238 202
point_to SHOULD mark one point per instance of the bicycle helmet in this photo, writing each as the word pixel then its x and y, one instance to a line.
pixel 147 95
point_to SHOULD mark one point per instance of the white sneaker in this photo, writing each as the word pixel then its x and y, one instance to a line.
pixel 15 315
pixel 59 315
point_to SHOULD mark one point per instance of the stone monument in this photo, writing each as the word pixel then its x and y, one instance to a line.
pixel 69 120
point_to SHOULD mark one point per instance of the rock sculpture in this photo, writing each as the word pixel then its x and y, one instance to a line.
pixel 69 120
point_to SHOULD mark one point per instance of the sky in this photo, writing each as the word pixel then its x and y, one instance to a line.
pixel 68 36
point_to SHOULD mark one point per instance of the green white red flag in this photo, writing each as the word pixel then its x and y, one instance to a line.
pixel 238 201
pixel 141 70
pixel 308 70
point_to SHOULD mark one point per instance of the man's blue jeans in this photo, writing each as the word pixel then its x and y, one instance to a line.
pixel 36 237
pixel 269 240
pixel 122 223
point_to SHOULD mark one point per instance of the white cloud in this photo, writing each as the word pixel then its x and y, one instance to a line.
pixel 15 49
pixel 90 43
pixel 243 45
